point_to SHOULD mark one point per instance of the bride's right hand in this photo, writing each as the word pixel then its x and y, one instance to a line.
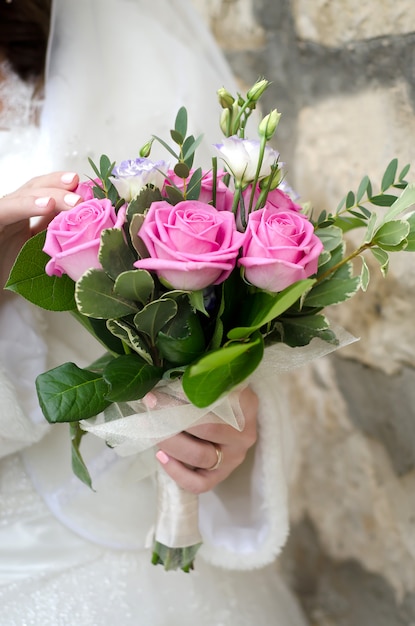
pixel 41 197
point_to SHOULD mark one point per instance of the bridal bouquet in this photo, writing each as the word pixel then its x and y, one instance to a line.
pixel 186 276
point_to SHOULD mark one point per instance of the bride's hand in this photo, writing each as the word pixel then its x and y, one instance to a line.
pixel 190 456
pixel 41 197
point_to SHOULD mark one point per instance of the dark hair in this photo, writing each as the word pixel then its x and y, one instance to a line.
pixel 24 31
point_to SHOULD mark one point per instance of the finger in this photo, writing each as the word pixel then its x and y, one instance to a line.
pixel 55 180
pixel 196 482
pixel 191 451
pixel 14 208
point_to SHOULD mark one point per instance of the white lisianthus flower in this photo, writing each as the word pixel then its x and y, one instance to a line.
pixel 131 176
pixel 242 155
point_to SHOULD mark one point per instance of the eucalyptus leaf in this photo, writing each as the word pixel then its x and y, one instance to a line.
pixel 151 319
pixel 177 137
pixel 114 254
pixel 175 195
pixel 193 189
pixel 218 372
pixel 68 393
pixel 130 378
pixel 389 175
pixel 135 285
pixel 181 170
pixel 28 278
pixel 193 147
pixel 180 124
pixel 95 297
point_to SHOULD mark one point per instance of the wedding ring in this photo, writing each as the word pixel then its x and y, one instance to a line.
pixel 219 458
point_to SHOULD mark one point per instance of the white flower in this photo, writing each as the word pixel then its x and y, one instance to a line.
pixel 242 155
pixel 131 176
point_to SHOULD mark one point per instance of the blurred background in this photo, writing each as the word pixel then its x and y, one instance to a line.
pixel 343 77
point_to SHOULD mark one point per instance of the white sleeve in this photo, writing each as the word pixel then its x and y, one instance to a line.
pixel 22 357
pixel 244 521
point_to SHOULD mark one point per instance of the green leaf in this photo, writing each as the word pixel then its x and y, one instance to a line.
pixel 78 464
pixel 95 297
pixel 143 201
pixel 193 147
pixel 181 170
pixel 28 278
pixel 391 234
pixel 129 335
pixel 264 307
pixel 114 254
pixel 389 175
pixel 167 147
pixel 347 223
pixel 362 188
pixel 218 372
pixel 193 189
pixel 300 330
pixel 370 228
pixel 332 291
pixel 177 137
pixel 137 243
pixel 384 199
pixel 383 258
pixel 135 285
pixel 350 200
pixel 175 195
pixel 68 393
pixel 151 319
pixel 410 218
pixel 182 339
pixel 180 124
pixel 330 237
pixel 364 275
pixel 404 172
pixel 403 202
pixel 130 378
pixel 196 299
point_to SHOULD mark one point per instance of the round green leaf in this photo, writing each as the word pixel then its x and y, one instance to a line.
pixel 130 378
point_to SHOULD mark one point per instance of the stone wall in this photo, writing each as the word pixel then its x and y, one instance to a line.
pixel 343 77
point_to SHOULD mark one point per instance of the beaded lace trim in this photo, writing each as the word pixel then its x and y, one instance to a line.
pixel 19 104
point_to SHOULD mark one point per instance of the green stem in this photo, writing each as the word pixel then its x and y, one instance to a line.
pixel 347 259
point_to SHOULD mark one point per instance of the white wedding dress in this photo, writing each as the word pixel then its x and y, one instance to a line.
pixel 70 556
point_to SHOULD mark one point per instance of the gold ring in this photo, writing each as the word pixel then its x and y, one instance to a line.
pixel 219 458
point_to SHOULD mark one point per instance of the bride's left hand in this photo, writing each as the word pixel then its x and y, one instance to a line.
pixel 190 456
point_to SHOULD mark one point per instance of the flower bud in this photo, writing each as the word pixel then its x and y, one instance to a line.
pixel 146 149
pixel 268 125
pixel 257 90
pixel 224 122
pixel 226 99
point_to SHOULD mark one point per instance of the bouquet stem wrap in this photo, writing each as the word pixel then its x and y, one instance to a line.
pixel 177 537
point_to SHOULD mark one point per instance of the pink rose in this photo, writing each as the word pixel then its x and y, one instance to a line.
pixel 280 248
pixel 84 189
pixel 191 245
pixel 277 198
pixel 224 196
pixel 73 237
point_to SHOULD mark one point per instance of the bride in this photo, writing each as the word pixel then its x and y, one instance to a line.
pixel 117 71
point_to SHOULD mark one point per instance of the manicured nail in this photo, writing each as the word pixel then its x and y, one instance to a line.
pixel 42 202
pixel 71 199
pixel 162 457
pixel 68 178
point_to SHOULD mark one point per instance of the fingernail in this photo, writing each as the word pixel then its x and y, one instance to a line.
pixel 162 457
pixel 42 202
pixel 71 199
pixel 68 178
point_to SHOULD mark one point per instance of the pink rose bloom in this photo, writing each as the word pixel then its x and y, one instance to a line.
pixel 224 196
pixel 277 198
pixel 73 237
pixel 280 248
pixel 84 189
pixel 191 245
